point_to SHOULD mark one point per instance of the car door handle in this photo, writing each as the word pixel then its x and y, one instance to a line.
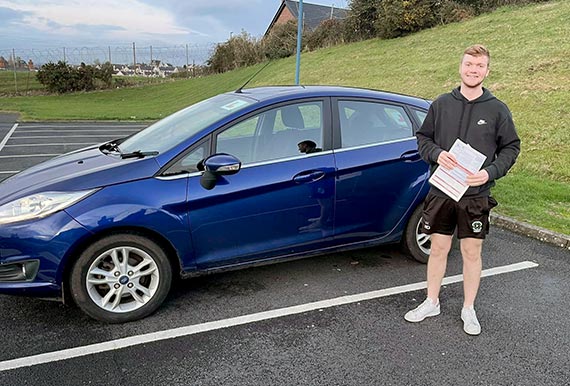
pixel 309 176
pixel 411 155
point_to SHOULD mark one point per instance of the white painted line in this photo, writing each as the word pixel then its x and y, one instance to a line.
pixel 71 130
pixel 29 126
pixel 52 144
pixel 10 172
pixel 27 155
pixel 237 321
pixel 66 136
pixel 7 137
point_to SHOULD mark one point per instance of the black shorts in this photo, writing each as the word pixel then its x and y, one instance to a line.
pixel 470 216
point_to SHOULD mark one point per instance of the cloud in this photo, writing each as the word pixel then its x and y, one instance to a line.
pixel 125 19
pixel 79 23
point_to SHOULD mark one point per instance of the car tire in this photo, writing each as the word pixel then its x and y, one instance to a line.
pixel 121 278
pixel 414 242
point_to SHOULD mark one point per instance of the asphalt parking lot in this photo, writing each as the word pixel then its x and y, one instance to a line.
pixel 25 144
pixel 330 320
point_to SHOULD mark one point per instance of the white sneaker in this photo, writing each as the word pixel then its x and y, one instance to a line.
pixel 424 310
pixel 470 323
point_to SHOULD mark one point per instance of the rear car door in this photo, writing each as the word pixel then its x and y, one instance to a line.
pixel 379 170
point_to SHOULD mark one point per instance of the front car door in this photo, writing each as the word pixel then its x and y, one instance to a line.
pixel 281 202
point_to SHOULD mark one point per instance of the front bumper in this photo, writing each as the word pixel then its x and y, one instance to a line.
pixel 33 254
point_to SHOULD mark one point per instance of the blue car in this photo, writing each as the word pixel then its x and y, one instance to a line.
pixel 253 176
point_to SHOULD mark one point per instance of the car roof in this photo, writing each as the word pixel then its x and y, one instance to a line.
pixel 278 93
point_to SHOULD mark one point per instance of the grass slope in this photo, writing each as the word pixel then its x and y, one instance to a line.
pixel 529 71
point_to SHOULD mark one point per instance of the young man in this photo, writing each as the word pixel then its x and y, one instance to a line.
pixel 472 114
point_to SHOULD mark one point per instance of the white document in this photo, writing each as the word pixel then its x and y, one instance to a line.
pixel 452 181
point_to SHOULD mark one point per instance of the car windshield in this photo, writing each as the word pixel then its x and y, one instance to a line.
pixel 170 131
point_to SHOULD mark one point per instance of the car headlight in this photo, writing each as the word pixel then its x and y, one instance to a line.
pixel 39 205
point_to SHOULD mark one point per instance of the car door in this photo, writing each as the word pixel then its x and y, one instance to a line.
pixel 280 202
pixel 379 170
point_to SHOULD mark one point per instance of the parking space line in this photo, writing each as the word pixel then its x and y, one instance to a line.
pixel 26 126
pixel 28 155
pixel 51 144
pixel 10 172
pixel 67 136
pixel 7 137
pixel 72 130
pixel 237 321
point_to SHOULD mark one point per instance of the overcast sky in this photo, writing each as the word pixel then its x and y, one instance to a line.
pixel 80 23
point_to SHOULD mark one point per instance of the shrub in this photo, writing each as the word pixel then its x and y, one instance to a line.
pixel 361 21
pixel 329 33
pixel 63 78
pixel 450 11
pixel 482 6
pixel 401 17
pixel 238 51
pixel 281 41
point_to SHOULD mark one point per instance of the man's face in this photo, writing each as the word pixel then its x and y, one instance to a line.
pixel 473 70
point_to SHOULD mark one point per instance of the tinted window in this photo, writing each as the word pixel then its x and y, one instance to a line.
pixel 365 123
pixel 275 133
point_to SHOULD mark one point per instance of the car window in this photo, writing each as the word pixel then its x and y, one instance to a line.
pixel 189 163
pixel 420 114
pixel 239 139
pixel 170 131
pixel 363 123
pixel 281 132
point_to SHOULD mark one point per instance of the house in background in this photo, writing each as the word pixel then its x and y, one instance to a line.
pixel 313 14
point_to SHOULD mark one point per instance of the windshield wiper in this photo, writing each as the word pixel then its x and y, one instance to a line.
pixel 138 154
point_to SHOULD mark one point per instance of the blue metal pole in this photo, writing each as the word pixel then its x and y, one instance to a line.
pixel 299 34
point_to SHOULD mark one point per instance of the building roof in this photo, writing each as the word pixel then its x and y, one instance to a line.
pixel 313 14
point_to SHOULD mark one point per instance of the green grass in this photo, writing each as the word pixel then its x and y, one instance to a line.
pixel 529 71
pixel 533 199
pixel 23 82
pixel 136 103
pixel 26 83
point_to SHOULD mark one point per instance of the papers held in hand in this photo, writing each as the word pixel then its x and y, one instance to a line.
pixel 452 181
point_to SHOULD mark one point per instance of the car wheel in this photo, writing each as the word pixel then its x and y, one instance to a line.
pixel 415 242
pixel 121 278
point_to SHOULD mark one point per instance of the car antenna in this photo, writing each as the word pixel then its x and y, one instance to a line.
pixel 253 76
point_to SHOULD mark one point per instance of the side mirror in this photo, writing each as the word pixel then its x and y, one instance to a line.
pixel 218 165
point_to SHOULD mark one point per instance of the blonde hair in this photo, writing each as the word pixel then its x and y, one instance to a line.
pixel 477 50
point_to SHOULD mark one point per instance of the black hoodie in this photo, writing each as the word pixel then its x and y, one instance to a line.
pixel 484 123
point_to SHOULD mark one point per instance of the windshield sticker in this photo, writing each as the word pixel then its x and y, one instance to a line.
pixel 234 105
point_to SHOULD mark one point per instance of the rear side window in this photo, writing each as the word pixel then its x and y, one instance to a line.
pixel 421 115
pixel 364 123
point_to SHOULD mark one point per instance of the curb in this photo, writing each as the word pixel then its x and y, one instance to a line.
pixel 531 231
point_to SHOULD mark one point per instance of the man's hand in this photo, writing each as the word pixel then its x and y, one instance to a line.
pixel 478 178
pixel 447 160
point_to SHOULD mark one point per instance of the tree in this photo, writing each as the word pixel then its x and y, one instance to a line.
pixel 361 20
pixel 238 51
pixel 281 41
pixel 402 17
pixel 329 33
